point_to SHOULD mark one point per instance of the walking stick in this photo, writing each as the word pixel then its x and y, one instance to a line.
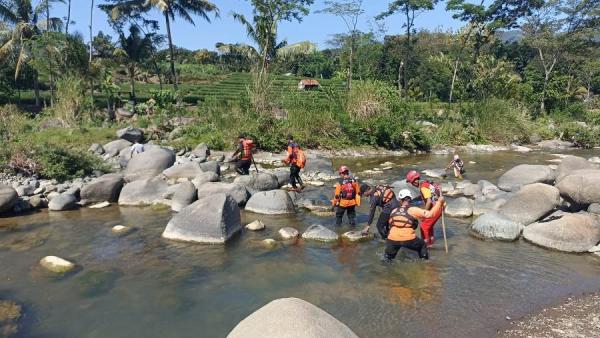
pixel 255 167
pixel 444 224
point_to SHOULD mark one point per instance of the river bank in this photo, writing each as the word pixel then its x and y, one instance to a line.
pixel 576 317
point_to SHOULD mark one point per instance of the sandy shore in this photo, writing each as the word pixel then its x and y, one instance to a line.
pixel 577 317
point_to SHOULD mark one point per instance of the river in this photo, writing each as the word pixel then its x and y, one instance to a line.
pixel 140 285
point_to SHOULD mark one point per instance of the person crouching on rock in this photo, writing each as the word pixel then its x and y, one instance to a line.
pixel 296 159
pixel 403 222
pixel 245 149
pixel 430 193
pixel 346 197
pixel 384 198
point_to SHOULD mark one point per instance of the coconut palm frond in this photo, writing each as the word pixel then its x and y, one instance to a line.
pixel 300 48
pixel 6 13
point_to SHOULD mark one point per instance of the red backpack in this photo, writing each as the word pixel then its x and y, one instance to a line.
pixel 348 190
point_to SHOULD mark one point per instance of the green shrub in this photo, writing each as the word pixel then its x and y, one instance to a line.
pixel 64 164
pixel 585 136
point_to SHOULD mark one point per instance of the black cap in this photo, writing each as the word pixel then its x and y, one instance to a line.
pixel 364 187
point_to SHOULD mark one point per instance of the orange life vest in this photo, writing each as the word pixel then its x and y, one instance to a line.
pixel 386 193
pixel 347 193
pixel 295 156
pixel 248 147
pixel 402 225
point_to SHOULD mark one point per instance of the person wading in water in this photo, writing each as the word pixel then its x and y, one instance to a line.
pixel 403 222
pixel 383 197
pixel 458 165
pixel 346 197
pixel 430 193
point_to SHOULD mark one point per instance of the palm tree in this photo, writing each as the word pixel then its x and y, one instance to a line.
pixel 24 22
pixel 170 9
pixel 135 50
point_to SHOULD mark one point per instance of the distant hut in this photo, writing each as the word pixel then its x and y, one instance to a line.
pixel 308 84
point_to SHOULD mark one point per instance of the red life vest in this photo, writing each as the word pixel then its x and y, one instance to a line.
pixel 434 188
pixel 248 147
pixel 348 192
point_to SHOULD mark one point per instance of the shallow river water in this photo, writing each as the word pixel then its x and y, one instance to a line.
pixel 140 285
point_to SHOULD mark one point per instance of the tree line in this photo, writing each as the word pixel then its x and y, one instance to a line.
pixel 544 53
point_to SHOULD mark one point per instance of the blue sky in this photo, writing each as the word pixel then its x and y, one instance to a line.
pixel 315 27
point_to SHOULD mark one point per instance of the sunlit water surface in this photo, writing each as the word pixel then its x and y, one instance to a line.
pixel 140 285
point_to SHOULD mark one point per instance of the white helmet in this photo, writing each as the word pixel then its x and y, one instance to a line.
pixel 456 157
pixel 404 193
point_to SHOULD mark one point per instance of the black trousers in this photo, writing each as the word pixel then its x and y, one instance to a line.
pixel 339 215
pixel 295 176
pixel 417 244
pixel 243 167
pixel 383 225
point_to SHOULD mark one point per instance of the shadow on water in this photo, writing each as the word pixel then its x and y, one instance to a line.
pixel 140 285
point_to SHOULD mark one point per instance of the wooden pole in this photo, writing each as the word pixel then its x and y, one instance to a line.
pixel 444 223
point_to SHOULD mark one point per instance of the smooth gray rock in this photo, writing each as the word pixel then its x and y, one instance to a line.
pixel 487 187
pixel 316 165
pixel 184 194
pixel 255 226
pixel 211 166
pixel 96 149
pixel 36 201
pixel 143 192
pixel 238 192
pixel 569 232
pixel 320 233
pixel 459 207
pixel 524 174
pixel 555 144
pixel 213 220
pixel 283 177
pixel 272 202
pixel 131 134
pixel 531 203
pixel 113 148
pixel 434 173
pixel 63 202
pixel 356 236
pixel 8 198
pixel 470 189
pixel 581 186
pixel 594 208
pixel 104 188
pixel 261 181
pixel 149 164
pixel 288 233
pixel 189 170
pixel 485 206
pixel 291 318
pixel 25 190
pixel 493 225
pixel 204 178
pixel 201 152
pixel 571 163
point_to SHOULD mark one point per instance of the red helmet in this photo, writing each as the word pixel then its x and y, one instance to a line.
pixel 412 176
pixel 343 169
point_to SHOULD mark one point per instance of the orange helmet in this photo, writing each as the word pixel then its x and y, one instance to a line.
pixel 412 176
pixel 343 169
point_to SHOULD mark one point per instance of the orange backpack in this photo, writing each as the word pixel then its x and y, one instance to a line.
pixel 300 158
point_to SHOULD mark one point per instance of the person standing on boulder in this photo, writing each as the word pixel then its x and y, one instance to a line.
pixel 458 165
pixel 403 222
pixel 245 150
pixel 430 193
pixel 346 197
pixel 296 159
pixel 383 197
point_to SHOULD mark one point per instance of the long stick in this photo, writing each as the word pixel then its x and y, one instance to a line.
pixel 444 223
pixel 255 167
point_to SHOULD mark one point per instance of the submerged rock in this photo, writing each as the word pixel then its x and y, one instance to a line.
pixel 272 202
pixel 214 219
pixel 320 233
pixel 10 312
pixel 493 225
pixel 524 174
pixel 269 243
pixel 291 317
pixel 256 225
pixel 56 264
pixel 288 233
pixel 565 232
pixel 121 229
pixel 100 205
pixel 531 203
pixel 434 173
pixel 356 236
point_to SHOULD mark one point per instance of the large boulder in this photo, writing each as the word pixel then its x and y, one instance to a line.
pixel 62 202
pixel 211 166
pixel 487 187
pixel 113 148
pixel 484 206
pixel 319 165
pixel 569 164
pixel 181 195
pixel 283 177
pixel 565 232
pixel 143 192
pixel 291 317
pixel 273 202
pixel 213 219
pixel 131 134
pixel 531 203
pixel 493 225
pixel 581 186
pixel 317 232
pixel 238 192
pixel 189 170
pixel 459 207
pixel 204 178
pixel 201 152
pixel 104 188
pixel 8 198
pixel 261 181
pixel 524 174
pixel 149 164
pixel 555 144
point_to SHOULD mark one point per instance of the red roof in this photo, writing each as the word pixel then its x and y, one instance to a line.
pixel 309 82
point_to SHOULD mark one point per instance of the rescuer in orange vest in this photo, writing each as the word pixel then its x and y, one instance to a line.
pixel 346 197
pixel 245 149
